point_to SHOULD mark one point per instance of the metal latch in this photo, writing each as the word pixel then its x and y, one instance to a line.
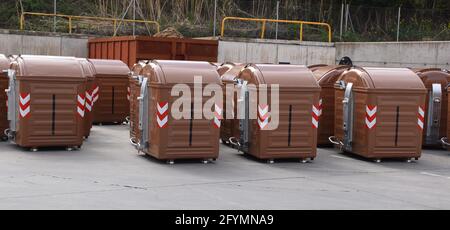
pixel 348 117
pixel 434 115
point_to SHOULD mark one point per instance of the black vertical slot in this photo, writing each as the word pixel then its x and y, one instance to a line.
pixel 112 103
pixel 191 124
pixel 396 125
pixel 53 113
pixel 290 125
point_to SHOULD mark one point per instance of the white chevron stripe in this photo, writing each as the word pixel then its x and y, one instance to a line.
pixel 369 124
pixel 263 124
pixel 88 107
pixel 81 100
pixel 162 122
pixel 421 112
pixel 25 100
pixel 420 123
pixel 25 112
pixel 263 112
pixel 163 109
pixel 88 96
pixel 80 111
pixel 315 110
pixel 95 90
pixel 217 122
pixel 218 109
pixel 371 112
pixel 315 123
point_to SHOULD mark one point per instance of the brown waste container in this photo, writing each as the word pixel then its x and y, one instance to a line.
pixel 379 113
pixel 326 76
pixel 435 128
pixel 4 65
pixel 230 125
pixel 164 137
pixel 135 81
pixel 111 91
pixel 89 73
pixel 296 135
pixel 46 99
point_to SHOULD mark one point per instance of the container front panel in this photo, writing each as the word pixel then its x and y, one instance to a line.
pixel 112 105
pixel 3 108
pixel 53 118
pixel 295 136
pixel 326 127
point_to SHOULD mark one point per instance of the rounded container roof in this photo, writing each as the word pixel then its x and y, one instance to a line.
pixel 327 74
pixel 43 66
pixel 431 76
pixel 4 62
pixel 382 78
pixel 173 72
pixel 283 75
pixel 112 68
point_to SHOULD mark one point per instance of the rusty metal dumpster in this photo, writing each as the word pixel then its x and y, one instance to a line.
pixel 46 102
pixel 230 125
pixel 111 91
pixel 326 76
pixel 135 82
pixel 435 128
pixel 296 135
pixel 89 73
pixel 4 65
pixel 165 137
pixel 379 113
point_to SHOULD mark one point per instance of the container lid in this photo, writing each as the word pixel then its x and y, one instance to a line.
pixel 431 76
pixel 173 72
pixel 4 62
pixel 110 68
pixel 383 78
pixel 327 74
pixel 87 67
pixel 284 75
pixel 233 73
pixel 42 66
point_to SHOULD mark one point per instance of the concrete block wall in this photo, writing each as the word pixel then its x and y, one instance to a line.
pixel 17 42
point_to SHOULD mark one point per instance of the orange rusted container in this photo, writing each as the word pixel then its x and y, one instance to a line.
pixel 230 125
pixel 435 128
pixel 131 49
pixel 89 73
pixel 160 134
pixel 326 76
pixel 111 91
pixel 296 135
pixel 46 99
pixel 379 113
pixel 137 73
pixel 4 65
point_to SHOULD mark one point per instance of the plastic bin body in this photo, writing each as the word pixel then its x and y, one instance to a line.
pixel 184 138
pixel 296 136
pixel 326 76
pixel 50 102
pixel 429 77
pixel 4 64
pixel 111 84
pixel 387 115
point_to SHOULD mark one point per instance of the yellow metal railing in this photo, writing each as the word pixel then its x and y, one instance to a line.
pixel 264 21
pixel 70 18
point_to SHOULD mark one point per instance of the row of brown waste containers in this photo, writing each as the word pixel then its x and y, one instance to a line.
pixel 373 112
pixel 53 101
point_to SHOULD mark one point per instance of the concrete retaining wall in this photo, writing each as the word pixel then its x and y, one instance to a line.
pixel 393 54
pixel 16 42
pixel 275 51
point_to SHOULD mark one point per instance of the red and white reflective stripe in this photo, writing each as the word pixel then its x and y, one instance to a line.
pixel 88 101
pixel 81 101
pixel 316 112
pixel 421 117
pixel 94 94
pixel 162 116
pixel 24 105
pixel 263 116
pixel 128 93
pixel 371 116
pixel 217 116
pixel 320 107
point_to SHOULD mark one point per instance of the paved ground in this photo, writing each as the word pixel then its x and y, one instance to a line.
pixel 108 174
